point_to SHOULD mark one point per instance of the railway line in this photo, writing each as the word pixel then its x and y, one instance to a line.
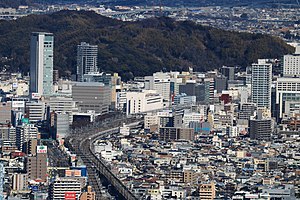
pixel 81 143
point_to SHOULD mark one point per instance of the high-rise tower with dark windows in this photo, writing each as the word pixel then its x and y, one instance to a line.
pixel 86 60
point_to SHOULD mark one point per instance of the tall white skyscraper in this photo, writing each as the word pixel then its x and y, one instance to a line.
pixel 86 59
pixel 41 63
pixel 261 84
pixel 291 64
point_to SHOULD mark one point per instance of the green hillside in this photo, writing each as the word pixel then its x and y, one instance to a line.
pixel 137 48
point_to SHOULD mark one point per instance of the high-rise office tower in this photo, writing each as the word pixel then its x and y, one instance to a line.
pixel 86 59
pixel 261 84
pixel 41 63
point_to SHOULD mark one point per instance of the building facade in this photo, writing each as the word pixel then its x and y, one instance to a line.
pixel 291 64
pixel 86 59
pixel 92 96
pixel 41 63
pixel 261 84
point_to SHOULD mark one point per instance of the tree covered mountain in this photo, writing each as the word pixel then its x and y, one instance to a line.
pixel 138 48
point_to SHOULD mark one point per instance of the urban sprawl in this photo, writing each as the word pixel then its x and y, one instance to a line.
pixel 222 134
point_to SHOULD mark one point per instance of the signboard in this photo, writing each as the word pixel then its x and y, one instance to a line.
pixel 15 85
pixel 25 121
pixel 73 157
pixel 35 96
pixel 70 195
pixel 35 188
pixel 73 173
pixel 18 104
pixel 41 149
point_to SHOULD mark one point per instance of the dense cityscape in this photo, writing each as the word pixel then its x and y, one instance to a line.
pixel 227 133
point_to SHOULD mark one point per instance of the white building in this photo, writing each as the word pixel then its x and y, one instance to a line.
pixel 291 64
pixel 41 63
pixel 139 102
pixel 150 119
pixel 192 117
pixel 64 105
pixel 35 111
pixel 62 187
pixel 183 99
pixel 25 133
pixel 261 84
pixel 288 95
pixel 161 82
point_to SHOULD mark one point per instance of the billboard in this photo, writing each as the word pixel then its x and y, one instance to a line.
pixel 18 104
pixel 73 173
pixel 70 195
pixel 25 121
pixel 35 96
pixel 15 85
pixel 41 149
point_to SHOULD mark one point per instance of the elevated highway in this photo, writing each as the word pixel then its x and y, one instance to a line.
pixel 81 143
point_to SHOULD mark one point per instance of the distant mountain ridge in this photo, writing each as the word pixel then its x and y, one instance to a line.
pixel 192 3
pixel 135 48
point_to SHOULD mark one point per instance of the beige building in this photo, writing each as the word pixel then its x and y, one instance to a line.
pixel 189 176
pixel 88 195
pixel 5 112
pixel 207 191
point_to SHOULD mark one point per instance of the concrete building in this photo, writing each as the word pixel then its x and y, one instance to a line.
pixel 151 119
pixel 228 72
pixel 207 191
pixel 19 182
pixel 260 129
pixel 65 105
pixel 5 112
pixel 7 135
pixel 183 99
pixel 35 111
pixel 88 195
pixel 220 83
pixel 97 77
pixel 59 125
pixel 209 86
pixel 147 100
pixel 261 84
pixel 92 96
pixel 2 171
pixel 161 82
pixel 63 188
pixel 288 95
pixel 285 192
pixel 247 110
pixel 173 133
pixel 86 59
pixel 37 164
pixel 116 84
pixel 189 119
pixel 41 63
pixel 291 64
pixel 24 134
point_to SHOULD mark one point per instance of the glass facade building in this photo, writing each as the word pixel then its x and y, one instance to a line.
pixel 41 63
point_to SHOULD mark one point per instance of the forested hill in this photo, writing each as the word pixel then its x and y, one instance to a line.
pixel 137 48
